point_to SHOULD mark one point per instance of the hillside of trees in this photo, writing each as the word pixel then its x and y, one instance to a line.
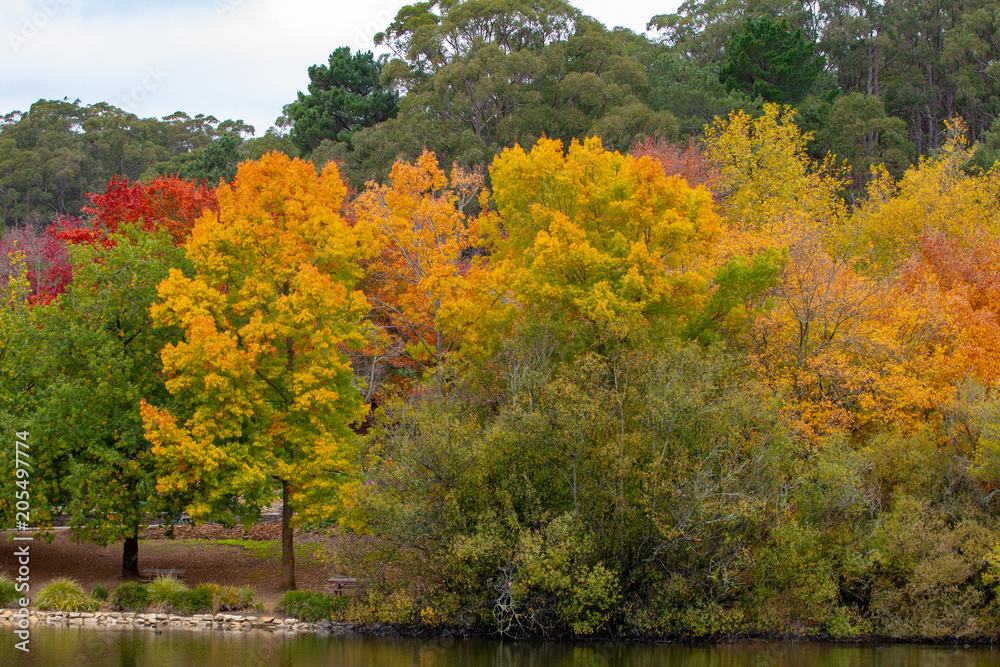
pixel 579 333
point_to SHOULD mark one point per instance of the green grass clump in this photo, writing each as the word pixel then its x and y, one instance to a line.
pixel 197 600
pixel 65 594
pixel 165 590
pixel 130 596
pixel 8 590
pixel 99 592
pixel 310 606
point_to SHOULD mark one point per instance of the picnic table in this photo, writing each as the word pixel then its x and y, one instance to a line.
pixel 343 586
pixel 149 575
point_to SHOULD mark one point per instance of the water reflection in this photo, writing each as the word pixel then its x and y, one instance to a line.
pixel 79 647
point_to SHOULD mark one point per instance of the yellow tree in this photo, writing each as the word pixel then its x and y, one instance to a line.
pixel 936 195
pixel 264 392
pixel 597 237
pixel 425 285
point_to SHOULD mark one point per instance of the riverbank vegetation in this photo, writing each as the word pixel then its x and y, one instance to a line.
pixel 561 373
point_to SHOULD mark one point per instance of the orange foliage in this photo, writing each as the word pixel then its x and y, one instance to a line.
pixel 687 161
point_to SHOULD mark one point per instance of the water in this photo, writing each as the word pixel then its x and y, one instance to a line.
pixel 137 647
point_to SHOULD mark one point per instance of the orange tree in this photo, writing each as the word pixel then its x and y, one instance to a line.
pixel 425 284
pixel 263 390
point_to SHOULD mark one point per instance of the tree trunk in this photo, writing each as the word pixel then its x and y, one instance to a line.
pixel 287 543
pixel 130 556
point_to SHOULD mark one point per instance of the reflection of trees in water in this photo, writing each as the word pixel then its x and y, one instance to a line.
pixel 128 649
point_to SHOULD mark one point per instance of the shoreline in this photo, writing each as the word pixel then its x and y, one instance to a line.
pixel 230 622
pixel 153 620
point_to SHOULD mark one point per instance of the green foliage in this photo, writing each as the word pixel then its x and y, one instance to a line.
pixel 65 594
pixel 130 596
pixel 99 592
pixel 8 590
pixel 344 96
pixel 92 355
pixel 57 151
pixel 164 590
pixel 765 59
pixel 197 600
pixel 310 606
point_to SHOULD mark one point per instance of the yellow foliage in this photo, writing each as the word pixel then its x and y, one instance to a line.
pixel 935 195
pixel 596 235
pixel 261 368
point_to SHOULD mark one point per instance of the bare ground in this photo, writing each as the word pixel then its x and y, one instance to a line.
pixel 192 549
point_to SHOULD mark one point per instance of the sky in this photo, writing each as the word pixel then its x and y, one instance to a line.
pixel 232 59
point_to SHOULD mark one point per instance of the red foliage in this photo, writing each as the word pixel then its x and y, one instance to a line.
pixel 685 160
pixel 45 256
pixel 168 203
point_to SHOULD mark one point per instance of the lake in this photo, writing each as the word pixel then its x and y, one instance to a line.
pixel 176 647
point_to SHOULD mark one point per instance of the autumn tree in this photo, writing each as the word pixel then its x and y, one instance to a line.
pixel 425 283
pixel 166 202
pixel 596 237
pixel 263 390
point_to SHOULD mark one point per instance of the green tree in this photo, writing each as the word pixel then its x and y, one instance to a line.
pixel 765 59
pixel 88 358
pixel 344 96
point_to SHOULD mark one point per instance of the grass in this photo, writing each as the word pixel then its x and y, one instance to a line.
pixel 164 590
pixel 306 553
pixel 65 594
pixel 8 590
pixel 310 606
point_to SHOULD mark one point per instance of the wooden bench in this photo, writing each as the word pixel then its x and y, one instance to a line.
pixel 343 586
pixel 150 575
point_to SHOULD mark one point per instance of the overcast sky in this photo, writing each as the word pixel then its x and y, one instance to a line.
pixel 229 58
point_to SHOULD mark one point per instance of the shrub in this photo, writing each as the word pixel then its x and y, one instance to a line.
pixel 309 606
pixel 65 594
pixel 8 590
pixel 165 590
pixel 130 596
pixel 198 600
pixel 99 592
pixel 230 598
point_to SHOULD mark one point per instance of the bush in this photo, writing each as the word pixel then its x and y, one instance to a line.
pixel 65 594
pixel 230 598
pixel 8 590
pixel 198 600
pixel 130 596
pixel 309 606
pixel 99 592
pixel 165 590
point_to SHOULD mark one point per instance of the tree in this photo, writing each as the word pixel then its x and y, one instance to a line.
pixel 765 59
pixel 89 356
pixel 425 284
pixel 597 237
pixel 344 96
pixel 264 392
pixel 862 135
pixel 166 202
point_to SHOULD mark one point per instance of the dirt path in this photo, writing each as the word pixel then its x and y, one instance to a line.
pixel 252 558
